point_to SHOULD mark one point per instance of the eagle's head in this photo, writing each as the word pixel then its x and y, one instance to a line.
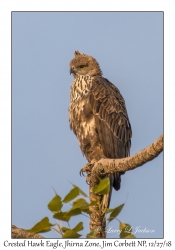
pixel 83 64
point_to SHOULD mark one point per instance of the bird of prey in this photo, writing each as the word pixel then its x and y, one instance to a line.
pixel 98 116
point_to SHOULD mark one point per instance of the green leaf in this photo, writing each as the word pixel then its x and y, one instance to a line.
pixel 74 212
pixel 115 212
pixel 78 227
pixel 71 234
pixel 126 230
pixel 62 216
pixel 71 195
pixel 122 225
pixel 125 226
pixel 55 204
pixel 84 203
pixel 109 210
pixel 82 206
pixel 80 200
pixel 64 229
pixel 130 236
pixel 80 191
pixel 103 187
pixel 92 234
pixel 42 226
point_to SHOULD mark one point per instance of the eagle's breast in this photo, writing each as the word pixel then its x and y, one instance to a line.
pixel 81 117
pixel 80 88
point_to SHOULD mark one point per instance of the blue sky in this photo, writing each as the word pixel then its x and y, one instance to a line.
pixel 45 153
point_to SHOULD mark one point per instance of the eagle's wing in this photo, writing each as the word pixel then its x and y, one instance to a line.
pixel 111 120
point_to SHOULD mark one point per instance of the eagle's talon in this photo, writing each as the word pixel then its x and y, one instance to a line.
pixel 82 172
pixel 87 168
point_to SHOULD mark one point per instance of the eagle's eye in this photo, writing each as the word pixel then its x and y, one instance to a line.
pixel 82 66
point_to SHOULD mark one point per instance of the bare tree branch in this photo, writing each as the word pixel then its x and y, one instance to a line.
pixel 109 166
pixel 23 234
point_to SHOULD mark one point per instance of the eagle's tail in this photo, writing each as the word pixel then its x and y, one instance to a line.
pixel 117 180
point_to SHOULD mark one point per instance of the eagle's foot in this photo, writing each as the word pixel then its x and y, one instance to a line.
pixel 87 168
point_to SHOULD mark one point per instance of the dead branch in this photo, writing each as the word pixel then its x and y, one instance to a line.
pixel 22 234
pixel 109 166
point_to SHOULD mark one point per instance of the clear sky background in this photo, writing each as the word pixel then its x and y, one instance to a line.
pixel 45 153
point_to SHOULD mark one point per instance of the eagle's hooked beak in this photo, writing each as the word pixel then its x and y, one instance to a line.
pixel 72 71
